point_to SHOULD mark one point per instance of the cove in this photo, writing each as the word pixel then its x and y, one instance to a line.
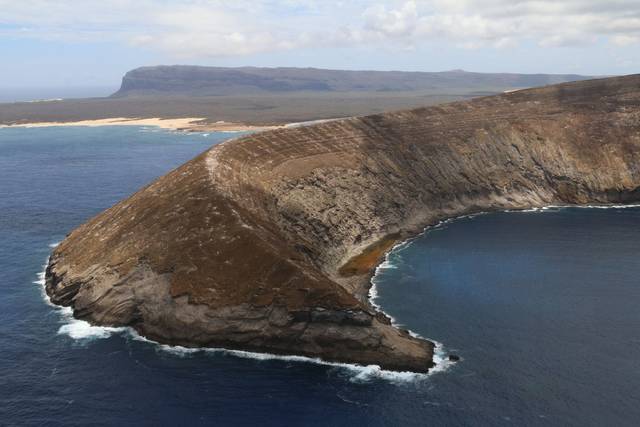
pixel 541 306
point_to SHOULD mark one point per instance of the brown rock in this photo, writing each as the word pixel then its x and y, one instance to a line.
pixel 242 247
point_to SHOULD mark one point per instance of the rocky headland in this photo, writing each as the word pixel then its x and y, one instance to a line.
pixel 267 242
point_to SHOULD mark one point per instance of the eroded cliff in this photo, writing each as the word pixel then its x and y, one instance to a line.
pixel 267 242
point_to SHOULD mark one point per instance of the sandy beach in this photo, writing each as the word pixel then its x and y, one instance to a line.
pixel 191 124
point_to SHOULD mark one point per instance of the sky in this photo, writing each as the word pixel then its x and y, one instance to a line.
pixel 92 43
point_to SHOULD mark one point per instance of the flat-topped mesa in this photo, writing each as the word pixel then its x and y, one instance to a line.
pixel 201 81
pixel 267 242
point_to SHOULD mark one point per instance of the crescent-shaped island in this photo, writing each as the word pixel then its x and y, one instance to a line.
pixel 267 242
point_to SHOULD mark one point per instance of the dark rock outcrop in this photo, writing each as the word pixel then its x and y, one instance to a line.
pixel 243 246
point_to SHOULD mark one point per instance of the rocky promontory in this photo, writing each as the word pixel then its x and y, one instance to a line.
pixel 267 242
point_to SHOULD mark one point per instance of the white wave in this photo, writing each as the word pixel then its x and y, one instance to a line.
pixel 84 331
pixel 600 206
pixel 524 210
pixel 54 245
pixel 43 291
pixel 555 208
pixel 77 329
pixel 360 373
pixel 81 330
pixel 440 357
pixel 74 328
pixel 40 280
pixel 368 373
pixel 387 265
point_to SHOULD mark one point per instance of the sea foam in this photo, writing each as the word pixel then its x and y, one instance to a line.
pixel 358 373
pixel 83 331
pixel 440 356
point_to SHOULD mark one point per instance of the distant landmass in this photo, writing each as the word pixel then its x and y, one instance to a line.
pixel 202 81
pixel 271 96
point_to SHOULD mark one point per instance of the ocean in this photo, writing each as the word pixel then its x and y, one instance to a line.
pixel 540 306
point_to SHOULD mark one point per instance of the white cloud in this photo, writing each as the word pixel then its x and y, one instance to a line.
pixel 393 23
pixel 201 28
pixel 501 23
pixel 625 40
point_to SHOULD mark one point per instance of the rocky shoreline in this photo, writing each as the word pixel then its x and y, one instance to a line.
pixel 268 242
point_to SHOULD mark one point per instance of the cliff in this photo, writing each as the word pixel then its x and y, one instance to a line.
pixel 201 81
pixel 267 242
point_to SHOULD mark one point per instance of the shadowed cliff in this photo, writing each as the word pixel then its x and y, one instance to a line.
pixel 267 242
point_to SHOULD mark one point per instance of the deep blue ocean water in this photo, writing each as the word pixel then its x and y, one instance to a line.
pixel 541 306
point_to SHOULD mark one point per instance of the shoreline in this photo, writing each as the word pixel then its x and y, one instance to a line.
pixel 88 331
pixel 361 372
pixel 442 364
pixel 334 187
pixel 188 124
pixel 370 286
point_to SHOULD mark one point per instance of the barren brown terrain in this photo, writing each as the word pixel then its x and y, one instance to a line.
pixel 266 242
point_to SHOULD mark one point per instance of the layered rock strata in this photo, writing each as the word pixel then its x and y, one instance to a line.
pixel 267 242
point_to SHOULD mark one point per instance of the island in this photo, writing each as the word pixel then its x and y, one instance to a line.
pixel 267 242
pixel 218 98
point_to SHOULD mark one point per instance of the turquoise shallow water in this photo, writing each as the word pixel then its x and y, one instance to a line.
pixel 542 307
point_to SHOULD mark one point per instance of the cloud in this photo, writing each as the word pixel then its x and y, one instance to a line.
pixel 500 23
pixel 625 40
pixel 392 23
pixel 213 28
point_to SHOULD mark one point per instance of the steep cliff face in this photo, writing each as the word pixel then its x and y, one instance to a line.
pixel 199 81
pixel 266 242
